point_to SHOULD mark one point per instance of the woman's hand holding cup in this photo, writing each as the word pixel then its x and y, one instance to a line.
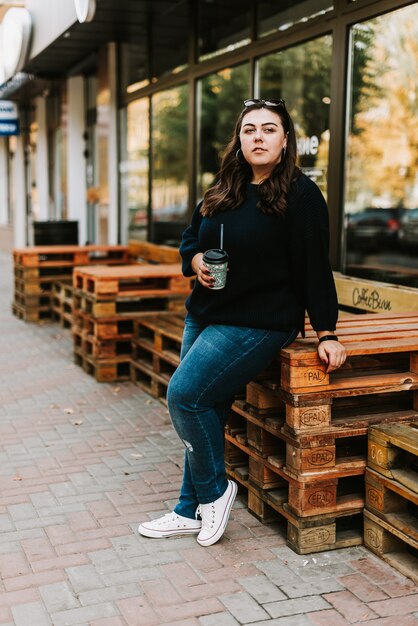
pixel 203 274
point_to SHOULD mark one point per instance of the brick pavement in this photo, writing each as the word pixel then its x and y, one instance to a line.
pixel 82 463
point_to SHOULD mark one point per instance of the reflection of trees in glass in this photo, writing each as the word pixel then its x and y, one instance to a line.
pixel 169 153
pixel 302 76
pixel 169 114
pixel 383 143
pixel 222 96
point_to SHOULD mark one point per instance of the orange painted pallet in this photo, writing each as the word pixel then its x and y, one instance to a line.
pixel 131 280
pixel 61 256
pixel 380 357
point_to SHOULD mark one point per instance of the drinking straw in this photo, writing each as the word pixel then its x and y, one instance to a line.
pixel 222 236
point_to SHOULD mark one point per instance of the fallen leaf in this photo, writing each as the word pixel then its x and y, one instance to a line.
pixel 78 423
pixel 136 456
pixel 116 389
pixel 69 411
pixel 148 402
pixel 17 478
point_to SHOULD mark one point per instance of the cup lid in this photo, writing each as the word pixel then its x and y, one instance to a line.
pixel 215 256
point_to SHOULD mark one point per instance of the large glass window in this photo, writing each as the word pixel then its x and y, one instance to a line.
pixel 169 165
pixel 220 99
pixel 223 26
pixel 134 169
pixel 276 16
pixel 381 189
pixel 301 75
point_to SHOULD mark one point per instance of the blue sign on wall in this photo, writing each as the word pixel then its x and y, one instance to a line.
pixel 9 119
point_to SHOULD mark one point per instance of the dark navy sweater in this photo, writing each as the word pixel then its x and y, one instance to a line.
pixel 278 266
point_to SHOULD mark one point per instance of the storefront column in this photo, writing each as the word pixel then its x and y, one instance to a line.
pixel 77 185
pixel 113 160
pixel 3 182
pixel 19 215
pixel 42 167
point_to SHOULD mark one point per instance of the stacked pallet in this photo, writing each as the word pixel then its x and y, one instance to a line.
pixel 299 442
pixel 107 304
pixel 37 268
pixel 391 521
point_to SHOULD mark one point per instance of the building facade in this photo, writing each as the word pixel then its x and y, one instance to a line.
pixel 125 108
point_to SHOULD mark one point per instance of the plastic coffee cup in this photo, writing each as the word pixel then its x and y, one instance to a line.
pixel 216 261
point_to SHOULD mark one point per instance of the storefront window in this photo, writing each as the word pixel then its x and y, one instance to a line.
pixel 223 26
pixel 301 76
pixel 276 16
pixel 381 188
pixel 220 99
pixel 134 169
pixel 169 165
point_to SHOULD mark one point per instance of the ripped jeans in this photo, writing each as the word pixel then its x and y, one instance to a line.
pixel 216 363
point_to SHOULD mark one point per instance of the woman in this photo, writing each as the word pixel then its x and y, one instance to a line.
pixel 275 230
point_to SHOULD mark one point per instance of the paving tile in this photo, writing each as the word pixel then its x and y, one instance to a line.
pixel 243 607
pixel 33 613
pixel 295 606
pixel 261 589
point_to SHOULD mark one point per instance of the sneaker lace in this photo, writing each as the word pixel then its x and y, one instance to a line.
pixel 207 513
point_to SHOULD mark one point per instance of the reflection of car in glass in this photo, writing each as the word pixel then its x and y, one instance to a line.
pixel 372 228
pixel 408 229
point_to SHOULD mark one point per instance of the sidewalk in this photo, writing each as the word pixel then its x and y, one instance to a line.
pixel 82 463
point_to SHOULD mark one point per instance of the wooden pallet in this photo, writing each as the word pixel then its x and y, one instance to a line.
pixel 151 382
pixel 314 452
pixel 392 545
pixel 104 370
pixel 32 302
pixel 34 275
pixel 304 535
pixel 338 491
pixel 38 315
pixel 131 280
pixel 393 502
pixel 126 305
pixel 381 357
pixel 161 334
pixel 393 452
pixel 62 256
pixel 105 328
pixel 97 349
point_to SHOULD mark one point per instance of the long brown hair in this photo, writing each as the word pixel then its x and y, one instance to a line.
pixel 229 192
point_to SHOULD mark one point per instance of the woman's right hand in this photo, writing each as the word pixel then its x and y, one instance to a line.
pixel 203 274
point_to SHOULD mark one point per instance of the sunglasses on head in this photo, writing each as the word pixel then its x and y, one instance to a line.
pixel 268 103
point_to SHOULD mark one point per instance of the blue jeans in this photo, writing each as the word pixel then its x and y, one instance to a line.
pixel 216 363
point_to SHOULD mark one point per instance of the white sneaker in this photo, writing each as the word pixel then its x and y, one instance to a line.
pixel 215 516
pixel 169 525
